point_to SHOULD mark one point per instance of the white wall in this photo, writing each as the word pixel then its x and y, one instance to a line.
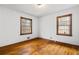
pixel 48 26
pixel 10 27
pixel 44 27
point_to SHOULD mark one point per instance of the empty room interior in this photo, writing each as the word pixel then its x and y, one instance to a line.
pixel 39 29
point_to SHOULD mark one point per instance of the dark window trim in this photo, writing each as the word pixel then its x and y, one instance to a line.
pixel 21 25
pixel 70 34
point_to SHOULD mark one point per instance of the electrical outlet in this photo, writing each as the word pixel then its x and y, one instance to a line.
pixel 50 37
pixel 28 37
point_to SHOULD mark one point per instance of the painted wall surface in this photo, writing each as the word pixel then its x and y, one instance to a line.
pixel 10 26
pixel 43 27
pixel 48 26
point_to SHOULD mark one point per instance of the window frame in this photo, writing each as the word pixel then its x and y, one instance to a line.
pixel 70 27
pixel 21 25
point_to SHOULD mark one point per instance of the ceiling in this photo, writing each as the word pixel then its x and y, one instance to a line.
pixel 34 10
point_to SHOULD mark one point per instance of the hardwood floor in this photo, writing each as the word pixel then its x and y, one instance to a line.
pixel 39 47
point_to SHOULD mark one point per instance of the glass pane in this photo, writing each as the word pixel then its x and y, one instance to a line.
pixel 67 31
pixel 61 27
pixel 67 27
pixel 61 31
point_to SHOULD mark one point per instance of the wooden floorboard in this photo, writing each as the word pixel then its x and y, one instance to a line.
pixel 38 47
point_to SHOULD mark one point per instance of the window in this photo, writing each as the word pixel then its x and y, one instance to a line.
pixel 64 25
pixel 25 26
